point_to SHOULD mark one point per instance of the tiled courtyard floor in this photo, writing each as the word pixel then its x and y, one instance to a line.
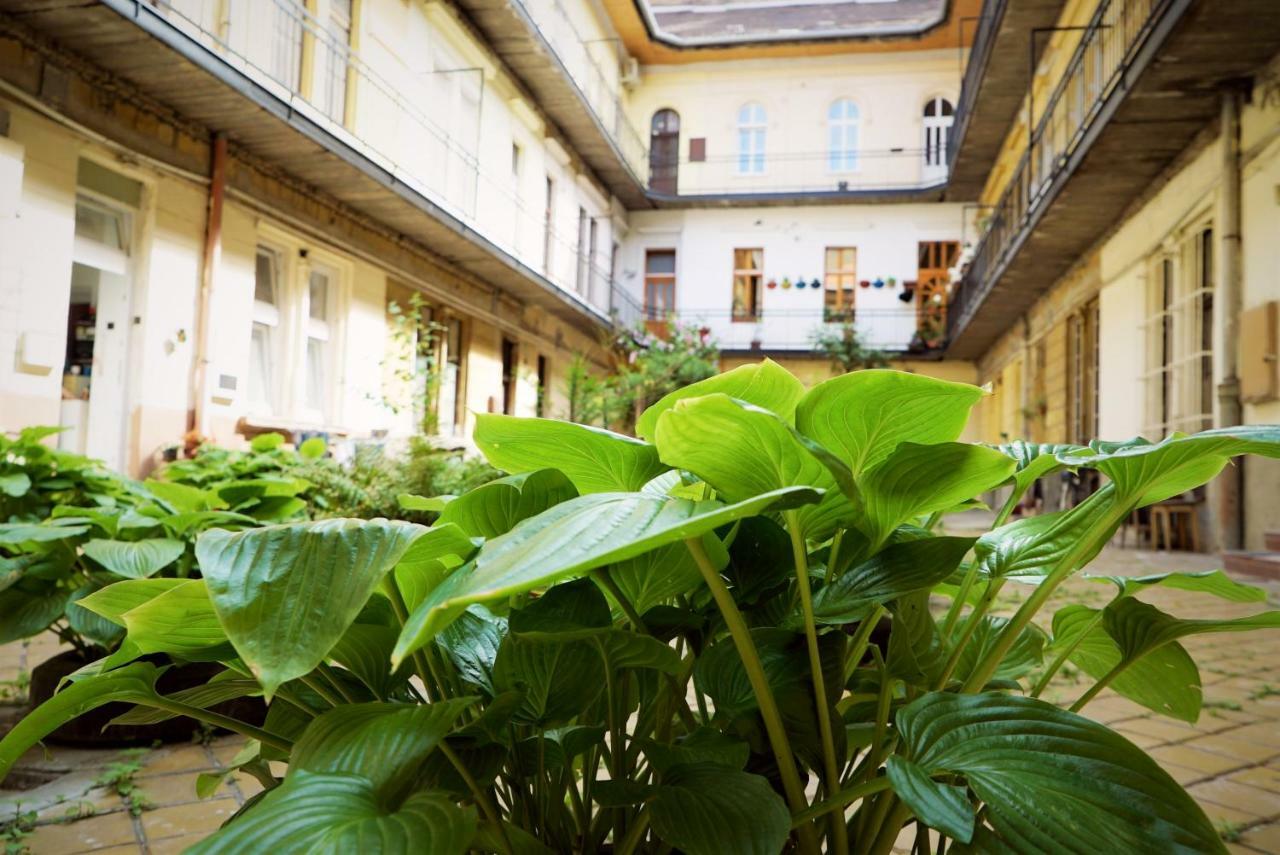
pixel 1230 760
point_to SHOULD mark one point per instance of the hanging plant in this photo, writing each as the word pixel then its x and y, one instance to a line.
pixel 786 284
pixel 771 284
pixel 865 283
pixel 879 283
pixel 892 281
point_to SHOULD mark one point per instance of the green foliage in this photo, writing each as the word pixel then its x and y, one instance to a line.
pixel 669 644
pixel 845 348
pixel 645 367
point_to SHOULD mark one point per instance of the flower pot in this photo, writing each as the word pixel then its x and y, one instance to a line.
pixel 88 729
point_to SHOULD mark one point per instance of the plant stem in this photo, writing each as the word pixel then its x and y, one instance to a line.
pixel 890 826
pixel 759 685
pixel 833 555
pixel 636 834
pixel 970 626
pixel 1061 658
pixel 841 800
pixel 402 616
pixel 1100 685
pixel 1086 545
pixel 606 581
pixel 971 575
pixel 320 689
pixel 218 720
pixel 478 794
pixel 858 648
pixel 839 838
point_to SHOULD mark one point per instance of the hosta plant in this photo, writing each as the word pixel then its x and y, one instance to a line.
pixel 71 527
pixel 741 633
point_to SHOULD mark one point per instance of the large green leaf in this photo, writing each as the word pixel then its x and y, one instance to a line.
pixel 472 642
pixel 898 569
pixel 26 613
pixel 1145 473
pixel 1035 460
pixel 114 600
pixel 941 806
pixel 1213 582
pixel 88 624
pixel 573 609
pixel 181 498
pixel 382 742
pixel 1139 627
pixel 494 508
pixel 571 539
pixel 286 594
pixel 559 679
pixel 919 479
pixel 754 452
pixel 765 384
pixel 594 459
pixel 133 683
pixel 12 534
pixel 180 620
pixel 712 809
pixel 1053 781
pixel 316 812
pixel 15 484
pixel 365 651
pixel 135 559
pixel 1028 549
pixel 663 574
pixel 1023 657
pixel 1165 680
pixel 863 416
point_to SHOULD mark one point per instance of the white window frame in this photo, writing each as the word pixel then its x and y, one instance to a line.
pixel 294 328
pixel 752 127
pixel 844 121
pixel 1175 338
pixel 936 130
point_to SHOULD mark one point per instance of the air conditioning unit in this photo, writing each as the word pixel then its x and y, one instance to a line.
pixel 630 72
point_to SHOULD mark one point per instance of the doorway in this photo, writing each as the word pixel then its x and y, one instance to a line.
pixel 664 152
pixel 94 378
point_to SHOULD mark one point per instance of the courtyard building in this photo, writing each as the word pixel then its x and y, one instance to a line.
pixel 225 217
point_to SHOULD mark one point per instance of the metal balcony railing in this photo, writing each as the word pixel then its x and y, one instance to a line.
pixel 889 329
pixel 862 170
pixel 309 64
pixel 1094 74
pixel 596 70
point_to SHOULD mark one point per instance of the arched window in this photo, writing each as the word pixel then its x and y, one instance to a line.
pixel 842 136
pixel 664 151
pixel 938 118
pixel 751 128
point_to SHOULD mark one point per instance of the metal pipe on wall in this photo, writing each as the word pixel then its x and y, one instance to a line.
pixel 209 262
pixel 1230 485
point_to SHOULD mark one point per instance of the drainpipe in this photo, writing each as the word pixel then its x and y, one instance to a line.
pixel 1231 481
pixel 209 262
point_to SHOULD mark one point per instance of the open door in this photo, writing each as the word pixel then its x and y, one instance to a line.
pixel 94 383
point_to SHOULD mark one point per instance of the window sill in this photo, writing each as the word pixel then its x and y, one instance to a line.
pixel 252 425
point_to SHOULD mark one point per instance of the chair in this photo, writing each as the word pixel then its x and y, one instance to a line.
pixel 1180 517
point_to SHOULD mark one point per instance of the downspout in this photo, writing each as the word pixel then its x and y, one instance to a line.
pixel 1231 481
pixel 209 262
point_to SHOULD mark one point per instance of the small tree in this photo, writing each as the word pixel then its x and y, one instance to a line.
pixel 644 367
pixel 844 347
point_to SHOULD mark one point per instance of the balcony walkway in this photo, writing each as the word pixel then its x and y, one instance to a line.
pixel 1230 760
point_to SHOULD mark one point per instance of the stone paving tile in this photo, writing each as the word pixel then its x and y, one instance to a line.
pixel 1229 759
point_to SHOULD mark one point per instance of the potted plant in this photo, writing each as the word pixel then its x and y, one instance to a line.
pixel 716 638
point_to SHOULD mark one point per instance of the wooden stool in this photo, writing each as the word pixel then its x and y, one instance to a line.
pixel 1167 517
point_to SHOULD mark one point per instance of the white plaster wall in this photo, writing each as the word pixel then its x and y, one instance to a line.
pixel 1121 354
pixel 794 241
pixel 889 89
pixel 36 284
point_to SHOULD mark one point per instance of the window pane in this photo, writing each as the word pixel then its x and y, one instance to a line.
pixel 660 262
pixel 104 227
pixel 318 298
pixel 316 359
pixel 264 277
pixel 260 368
